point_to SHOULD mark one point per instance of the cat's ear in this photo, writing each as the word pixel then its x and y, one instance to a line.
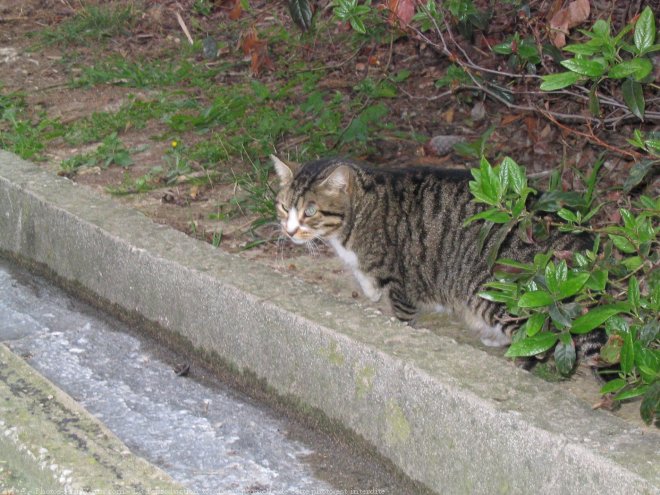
pixel 285 171
pixel 339 180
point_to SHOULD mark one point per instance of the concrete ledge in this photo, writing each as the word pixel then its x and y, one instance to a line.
pixel 449 416
pixel 59 447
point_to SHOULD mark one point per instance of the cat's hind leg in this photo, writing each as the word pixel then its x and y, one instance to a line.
pixel 403 309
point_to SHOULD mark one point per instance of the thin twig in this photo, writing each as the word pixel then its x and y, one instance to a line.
pixel 184 28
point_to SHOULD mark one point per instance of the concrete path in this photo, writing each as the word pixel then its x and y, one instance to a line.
pixel 210 440
pixel 449 416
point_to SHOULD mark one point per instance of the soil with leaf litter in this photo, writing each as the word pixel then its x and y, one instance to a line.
pixel 182 170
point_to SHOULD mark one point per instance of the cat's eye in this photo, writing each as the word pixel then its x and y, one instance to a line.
pixel 310 211
pixel 284 208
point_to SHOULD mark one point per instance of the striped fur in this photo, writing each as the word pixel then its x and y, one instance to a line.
pixel 401 232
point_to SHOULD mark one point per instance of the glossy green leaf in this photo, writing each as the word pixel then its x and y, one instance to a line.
pixel 596 317
pixel 582 49
pixel 535 299
pixel 611 352
pixel 638 68
pixel 627 353
pixel 534 324
pixel 645 30
pixel 600 29
pixel 503 48
pixel 650 407
pixel 301 13
pixel 613 386
pixel 498 239
pixel 633 96
pixel 559 316
pixel 561 80
pixel 531 346
pixel 623 244
pixel 573 285
pixel 565 355
pixel 357 25
pixel 632 263
pixel 562 271
pixel 493 215
pixel 494 296
pixel 631 393
pixel 551 278
pixel 597 280
pixel 567 215
pixel 633 292
pixel 637 174
pixel 648 333
pixel 584 67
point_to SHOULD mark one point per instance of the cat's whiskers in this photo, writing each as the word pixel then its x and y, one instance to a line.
pixel 279 254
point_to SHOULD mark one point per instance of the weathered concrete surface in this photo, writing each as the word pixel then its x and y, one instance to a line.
pixel 450 416
pixel 58 446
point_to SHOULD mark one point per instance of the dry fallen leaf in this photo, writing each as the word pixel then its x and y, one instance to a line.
pixel 401 10
pixel 574 14
pixel 257 50
pixel 236 11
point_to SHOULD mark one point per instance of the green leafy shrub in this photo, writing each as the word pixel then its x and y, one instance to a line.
pixel 521 52
pixel 606 57
pixel 613 287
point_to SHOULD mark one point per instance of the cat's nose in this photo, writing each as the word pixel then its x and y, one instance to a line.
pixel 292 223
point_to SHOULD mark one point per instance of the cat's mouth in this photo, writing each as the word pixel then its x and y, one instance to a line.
pixel 299 237
pixel 297 240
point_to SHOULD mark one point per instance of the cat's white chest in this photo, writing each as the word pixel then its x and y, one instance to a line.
pixel 367 284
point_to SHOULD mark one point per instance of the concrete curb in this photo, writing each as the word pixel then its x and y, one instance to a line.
pixel 449 416
pixel 58 446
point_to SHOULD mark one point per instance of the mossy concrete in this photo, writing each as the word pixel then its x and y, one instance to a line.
pixel 449 416
pixel 50 444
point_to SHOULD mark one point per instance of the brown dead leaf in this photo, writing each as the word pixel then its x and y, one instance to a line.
pixel 257 50
pixel 510 118
pixel 250 41
pixel 236 11
pixel 531 123
pixel 574 14
pixel 401 11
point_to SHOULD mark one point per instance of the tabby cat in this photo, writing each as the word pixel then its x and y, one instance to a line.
pixel 402 231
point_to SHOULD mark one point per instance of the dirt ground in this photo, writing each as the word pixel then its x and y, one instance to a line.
pixel 43 74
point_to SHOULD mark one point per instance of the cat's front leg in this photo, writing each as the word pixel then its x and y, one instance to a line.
pixel 368 286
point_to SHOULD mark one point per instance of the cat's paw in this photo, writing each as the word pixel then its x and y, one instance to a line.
pixel 372 293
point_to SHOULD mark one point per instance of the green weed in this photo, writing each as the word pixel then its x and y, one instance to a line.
pixel 613 287
pixel 135 114
pixel 148 73
pixel 92 23
pixel 19 133
pixel 142 184
pixel 111 151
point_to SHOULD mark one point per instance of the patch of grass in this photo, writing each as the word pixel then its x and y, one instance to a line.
pixel 148 73
pixel 110 152
pixel 19 133
pixel 260 196
pixel 135 114
pixel 142 184
pixel 92 22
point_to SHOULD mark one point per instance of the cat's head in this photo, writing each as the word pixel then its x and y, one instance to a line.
pixel 314 199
